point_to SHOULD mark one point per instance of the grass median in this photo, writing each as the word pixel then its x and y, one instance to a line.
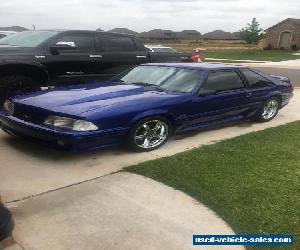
pixel 251 181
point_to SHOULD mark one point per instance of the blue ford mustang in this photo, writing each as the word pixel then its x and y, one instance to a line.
pixel 145 105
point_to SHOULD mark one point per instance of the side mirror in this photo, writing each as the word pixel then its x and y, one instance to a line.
pixel 62 46
pixel 206 92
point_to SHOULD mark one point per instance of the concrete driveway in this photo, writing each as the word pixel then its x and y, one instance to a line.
pixel 31 170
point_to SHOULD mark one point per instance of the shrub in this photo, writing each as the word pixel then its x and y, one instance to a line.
pixel 294 47
pixel 269 47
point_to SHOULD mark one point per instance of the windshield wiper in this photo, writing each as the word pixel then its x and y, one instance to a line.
pixel 145 84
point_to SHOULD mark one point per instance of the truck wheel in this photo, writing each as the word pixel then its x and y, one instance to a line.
pixel 15 85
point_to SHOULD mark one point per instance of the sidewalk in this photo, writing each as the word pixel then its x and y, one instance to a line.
pixel 119 211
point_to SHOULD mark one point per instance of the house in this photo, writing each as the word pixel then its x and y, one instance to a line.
pixel 13 28
pixel 284 35
pixel 189 35
pixel 168 35
pixel 158 35
pixel 220 36
pixel 124 31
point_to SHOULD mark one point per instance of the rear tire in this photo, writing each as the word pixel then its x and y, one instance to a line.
pixel 149 134
pixel 268 111
pixel 15 85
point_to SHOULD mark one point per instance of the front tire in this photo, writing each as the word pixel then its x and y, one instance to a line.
pixel 268 111
pixel 15 85
pixel 149 134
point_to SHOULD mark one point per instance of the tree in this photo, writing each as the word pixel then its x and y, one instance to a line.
pixel 252 33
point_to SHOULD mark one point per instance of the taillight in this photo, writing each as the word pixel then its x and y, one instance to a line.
pixel 196 58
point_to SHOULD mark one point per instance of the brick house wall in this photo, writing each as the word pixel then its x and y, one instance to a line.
pixel 273 34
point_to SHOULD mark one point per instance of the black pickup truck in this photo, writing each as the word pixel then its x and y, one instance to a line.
pixel 33 59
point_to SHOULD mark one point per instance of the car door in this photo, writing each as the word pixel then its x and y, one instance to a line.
pixel 222 96
pixel 118 53
pixel 74 64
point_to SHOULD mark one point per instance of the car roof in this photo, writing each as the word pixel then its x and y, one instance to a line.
pixel 200 66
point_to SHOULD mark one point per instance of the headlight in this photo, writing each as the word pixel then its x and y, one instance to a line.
pixel 69 123
pixel 9 107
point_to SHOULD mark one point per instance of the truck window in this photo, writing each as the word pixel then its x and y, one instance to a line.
pixel 115 43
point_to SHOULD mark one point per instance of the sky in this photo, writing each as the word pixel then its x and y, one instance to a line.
pixel 144 15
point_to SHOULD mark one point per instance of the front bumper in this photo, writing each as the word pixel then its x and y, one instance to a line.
pixel 59 139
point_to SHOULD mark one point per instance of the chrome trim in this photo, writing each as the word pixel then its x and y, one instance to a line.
pixel 96 56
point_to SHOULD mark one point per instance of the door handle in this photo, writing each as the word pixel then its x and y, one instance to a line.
pixel 141 56
pixel 95 56
pixel 249 94
pixel 75 73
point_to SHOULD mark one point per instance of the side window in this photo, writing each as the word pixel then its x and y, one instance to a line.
pixel 115 43
pixel 223 80
pixel 100 43
pixel 82 42
pixel 255 80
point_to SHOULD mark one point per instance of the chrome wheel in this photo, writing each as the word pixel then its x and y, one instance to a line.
pixel 270 109
pixel 151 134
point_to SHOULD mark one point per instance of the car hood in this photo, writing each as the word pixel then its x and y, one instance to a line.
pixel 80 99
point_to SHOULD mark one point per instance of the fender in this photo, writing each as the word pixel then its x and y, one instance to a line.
pixel 154 112
pixel 34 69
pixel 274 93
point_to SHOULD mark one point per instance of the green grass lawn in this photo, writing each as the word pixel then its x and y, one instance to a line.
pixel 251 181
pixel 258 55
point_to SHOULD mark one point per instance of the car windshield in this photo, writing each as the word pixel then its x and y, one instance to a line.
pixel 163 77
pixel 164 50
pixel 27 38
